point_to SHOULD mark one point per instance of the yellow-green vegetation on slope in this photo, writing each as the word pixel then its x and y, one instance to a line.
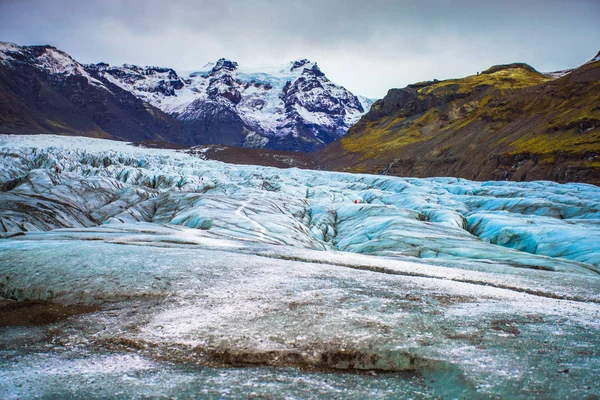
pixel 571 125
pixel 509 122
pixel 450 102
pixel 514 76
pixel 63 128
pixel 392 134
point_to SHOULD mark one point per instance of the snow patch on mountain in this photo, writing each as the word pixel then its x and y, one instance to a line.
pixel 564 72
pixel 559 74
pixel 5 51
pixel 46 58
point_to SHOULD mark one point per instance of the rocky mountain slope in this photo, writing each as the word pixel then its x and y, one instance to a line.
pixel 290 107
pixel 509 122
pixel 43 90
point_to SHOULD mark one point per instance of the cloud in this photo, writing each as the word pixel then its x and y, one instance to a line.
pixel 367 46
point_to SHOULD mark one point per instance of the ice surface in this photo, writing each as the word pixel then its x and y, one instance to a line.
pixel 445 218
pixel 127 376
pixel 169 295
pixel 471 289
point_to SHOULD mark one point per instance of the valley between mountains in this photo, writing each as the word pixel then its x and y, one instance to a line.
pixel 509 122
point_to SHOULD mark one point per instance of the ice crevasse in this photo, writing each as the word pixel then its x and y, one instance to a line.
pixel 526 224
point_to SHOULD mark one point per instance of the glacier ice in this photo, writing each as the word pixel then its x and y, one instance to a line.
pixel 453 288
pixel 180 296
pixel 446 218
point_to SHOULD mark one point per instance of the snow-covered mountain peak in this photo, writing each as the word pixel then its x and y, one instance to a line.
pixel 43 55
pixel 224 64
pixel 6 48
pixel 265 103
pixel 288 70
pixel 291 106
pixel 304 66
pixel 46 58
pixel 296 64
pixel 133 78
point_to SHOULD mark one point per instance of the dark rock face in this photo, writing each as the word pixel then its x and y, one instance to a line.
pixel 224 65
pixel 409 101
pixel 44 91
pixel 299 63
pixel 217 123
pixel 222 83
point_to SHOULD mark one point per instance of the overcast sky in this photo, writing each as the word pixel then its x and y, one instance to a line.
pixel 368 46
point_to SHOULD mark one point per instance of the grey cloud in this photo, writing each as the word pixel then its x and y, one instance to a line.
pixel 367 46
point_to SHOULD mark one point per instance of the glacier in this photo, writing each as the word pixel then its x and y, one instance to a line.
pixel 431 287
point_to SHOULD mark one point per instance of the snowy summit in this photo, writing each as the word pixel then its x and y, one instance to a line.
pixel 288 105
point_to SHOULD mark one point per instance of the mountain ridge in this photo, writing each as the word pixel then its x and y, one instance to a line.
pixel 44 90
pixel 294 108
pixel 509 122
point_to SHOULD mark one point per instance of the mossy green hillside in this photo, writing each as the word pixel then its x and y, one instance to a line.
pixel 509 112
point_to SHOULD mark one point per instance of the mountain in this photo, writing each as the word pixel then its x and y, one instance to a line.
pixel 290 107
pixel 509 122
pixel 44 90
